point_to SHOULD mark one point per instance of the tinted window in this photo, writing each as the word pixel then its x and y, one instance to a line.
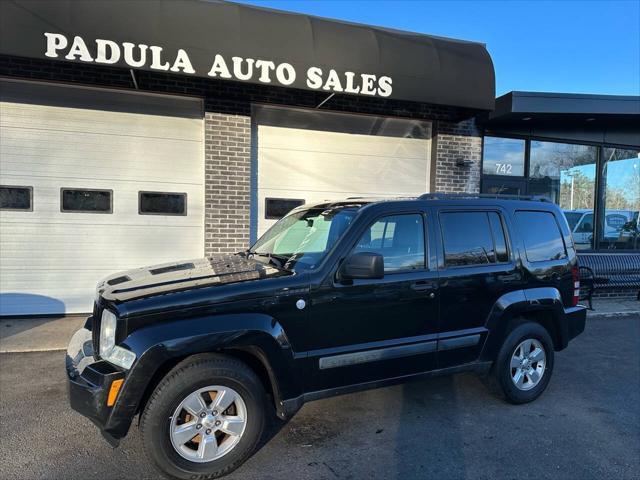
pixel 503 156
pixel 88 201
pixel 399 239
pixel 566 174
pixel 15 198
pixel 620 225
pixel 467 238
pixel 276 208
pixel 159 203
pixel 541 236
pixel 497 229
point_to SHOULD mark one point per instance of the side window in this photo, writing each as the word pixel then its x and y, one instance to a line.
pixel 473 238
pixel 586 224
pixel 497 228
pixel 399 239
pixel 541 236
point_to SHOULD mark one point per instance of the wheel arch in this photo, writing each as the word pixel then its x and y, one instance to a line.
pixel 257 340
pixel 539 305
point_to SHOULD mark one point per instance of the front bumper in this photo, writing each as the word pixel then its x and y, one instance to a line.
pixel 89 383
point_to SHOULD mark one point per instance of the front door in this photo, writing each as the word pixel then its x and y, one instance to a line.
pixel 366 330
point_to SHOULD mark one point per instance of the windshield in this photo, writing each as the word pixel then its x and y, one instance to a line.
pixel 301 240
pixel 573 218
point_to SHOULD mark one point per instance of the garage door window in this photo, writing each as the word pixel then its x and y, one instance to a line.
pixel 86 201
pixel 16 198
pixel 276 208
pixel 161 203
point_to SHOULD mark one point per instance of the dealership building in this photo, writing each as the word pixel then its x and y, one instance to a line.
pixel 137 133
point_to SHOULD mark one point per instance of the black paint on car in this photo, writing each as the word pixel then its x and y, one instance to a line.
pixel 336 297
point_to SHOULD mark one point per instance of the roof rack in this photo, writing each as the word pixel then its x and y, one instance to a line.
pixel 444 196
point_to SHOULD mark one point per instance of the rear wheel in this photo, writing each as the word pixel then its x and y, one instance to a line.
pixel 524 364
pixel 205 418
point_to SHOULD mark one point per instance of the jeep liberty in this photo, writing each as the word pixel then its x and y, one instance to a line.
pixel 336 297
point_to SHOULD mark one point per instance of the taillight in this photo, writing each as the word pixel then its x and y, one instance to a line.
pixel 575 275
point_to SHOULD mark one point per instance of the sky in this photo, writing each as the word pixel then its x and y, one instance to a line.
pixel 547 46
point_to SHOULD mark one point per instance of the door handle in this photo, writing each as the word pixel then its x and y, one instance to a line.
pixel 427 287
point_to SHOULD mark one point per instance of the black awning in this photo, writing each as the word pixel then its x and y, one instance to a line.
pixel 609 119
pixel 201 38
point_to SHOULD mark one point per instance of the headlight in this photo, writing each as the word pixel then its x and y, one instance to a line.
pixel 108 348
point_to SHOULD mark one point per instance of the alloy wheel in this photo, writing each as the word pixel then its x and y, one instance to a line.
pixel 208 423
pixel 528 363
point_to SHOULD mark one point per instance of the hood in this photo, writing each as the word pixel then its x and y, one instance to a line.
pixel 185 275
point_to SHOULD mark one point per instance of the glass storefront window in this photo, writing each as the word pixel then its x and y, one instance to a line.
pixel 621 179
pixel 566 174
pixel 503 156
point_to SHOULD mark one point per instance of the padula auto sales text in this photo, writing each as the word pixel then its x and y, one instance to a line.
pixel 235 68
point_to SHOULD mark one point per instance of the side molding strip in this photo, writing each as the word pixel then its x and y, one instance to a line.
pixel 377 355
pixel 458 342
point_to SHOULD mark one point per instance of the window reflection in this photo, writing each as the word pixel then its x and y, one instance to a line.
pixel 566 174
pixel 621 178
pixel 503 156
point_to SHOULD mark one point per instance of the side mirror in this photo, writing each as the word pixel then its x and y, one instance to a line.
pixel 363 265
pixel 586 227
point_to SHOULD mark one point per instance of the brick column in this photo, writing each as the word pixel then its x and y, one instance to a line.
pixel 227 165
pixel 454 142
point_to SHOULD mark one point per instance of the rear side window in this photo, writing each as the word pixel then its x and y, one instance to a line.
pixel 541 236
pixel 473 238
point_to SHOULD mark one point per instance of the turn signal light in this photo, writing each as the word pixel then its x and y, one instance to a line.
pixel 113 392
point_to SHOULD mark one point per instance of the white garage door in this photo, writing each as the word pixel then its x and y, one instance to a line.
pixel 312 165
pixel 85 156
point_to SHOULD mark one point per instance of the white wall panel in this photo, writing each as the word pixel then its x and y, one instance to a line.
pixel 319 165
pixel 50 261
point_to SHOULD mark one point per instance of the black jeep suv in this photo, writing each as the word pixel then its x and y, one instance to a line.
pixel 335 297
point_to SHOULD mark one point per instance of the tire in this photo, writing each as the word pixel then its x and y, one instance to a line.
pixel 191 379
pixel 525 336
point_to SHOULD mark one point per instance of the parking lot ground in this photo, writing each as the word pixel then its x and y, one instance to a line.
pixel 585 426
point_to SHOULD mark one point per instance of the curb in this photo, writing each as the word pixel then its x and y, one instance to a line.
pixel 611 314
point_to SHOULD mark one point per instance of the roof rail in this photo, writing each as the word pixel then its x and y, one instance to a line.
pixel 444 196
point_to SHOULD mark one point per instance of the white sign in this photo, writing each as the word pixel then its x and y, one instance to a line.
pixel 264 71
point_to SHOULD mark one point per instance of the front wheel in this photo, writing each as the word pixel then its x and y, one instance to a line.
pixel 204 419
pixel 524 364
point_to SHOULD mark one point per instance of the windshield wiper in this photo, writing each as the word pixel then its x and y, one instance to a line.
pixel 278 261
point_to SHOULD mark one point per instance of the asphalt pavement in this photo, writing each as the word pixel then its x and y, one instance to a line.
pixel 585 426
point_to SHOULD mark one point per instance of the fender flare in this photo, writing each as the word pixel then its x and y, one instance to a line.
pixel 156 345
pixel 517 303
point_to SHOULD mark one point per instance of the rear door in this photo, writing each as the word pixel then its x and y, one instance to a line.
pixel 548 250
pixel 476 266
